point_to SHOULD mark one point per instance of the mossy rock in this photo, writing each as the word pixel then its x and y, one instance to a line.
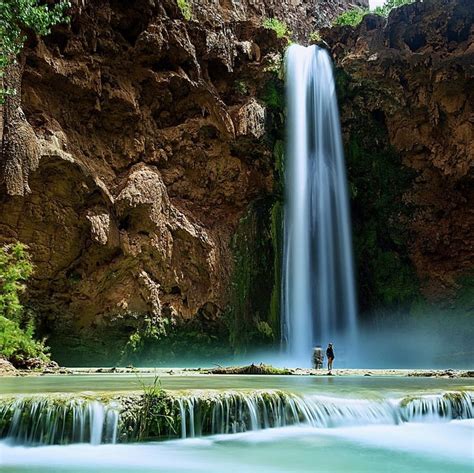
pixel 260 369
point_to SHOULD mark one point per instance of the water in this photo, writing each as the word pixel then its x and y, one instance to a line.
pixel 346 424
pixel 319 303
pixel 407 448
pixel 64 419
pixel 367 387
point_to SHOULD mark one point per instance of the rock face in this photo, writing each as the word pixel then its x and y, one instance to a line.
pixel 411 76
pixel 139 142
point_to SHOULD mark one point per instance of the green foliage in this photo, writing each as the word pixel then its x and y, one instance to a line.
pixel 241 87
pixel 16 330
pixel 15 269
pixel 351 17
pixel 377 181
pixel 274 95
pixel 279 27
pixel 315 37
pixel 354 16
pixel 389 5
pixel 249 319
pixel 186 9
pixel 148 332
pixel 17 17
pixel 156 413
pixel 17 344
pixel 198 339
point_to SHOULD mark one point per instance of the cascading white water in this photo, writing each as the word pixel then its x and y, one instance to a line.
pixel 45 421
pixel 319 302
pixel 39 421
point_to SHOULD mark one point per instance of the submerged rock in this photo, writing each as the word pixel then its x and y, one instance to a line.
pixel 251 369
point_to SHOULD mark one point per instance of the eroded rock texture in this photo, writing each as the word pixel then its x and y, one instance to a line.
pixel 140 141
pixel 412 78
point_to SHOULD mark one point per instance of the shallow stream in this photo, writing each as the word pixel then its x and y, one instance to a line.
pixel 352 424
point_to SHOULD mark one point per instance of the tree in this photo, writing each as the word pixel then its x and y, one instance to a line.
pixel 17 343
pixel 17 17
pixel 15 269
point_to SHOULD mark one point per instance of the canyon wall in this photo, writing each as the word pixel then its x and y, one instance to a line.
pixel 406 95
pixel 142 164
pixel 141 135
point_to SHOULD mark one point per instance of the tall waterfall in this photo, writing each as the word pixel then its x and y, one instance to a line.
pixel 319 302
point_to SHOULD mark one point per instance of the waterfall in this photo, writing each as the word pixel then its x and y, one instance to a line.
pixel 318 291
pixel 48 421
pixel 42 421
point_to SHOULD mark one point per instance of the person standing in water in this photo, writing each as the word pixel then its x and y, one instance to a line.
pixel 330 356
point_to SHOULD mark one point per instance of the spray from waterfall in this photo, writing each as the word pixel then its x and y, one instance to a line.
pixel 318 290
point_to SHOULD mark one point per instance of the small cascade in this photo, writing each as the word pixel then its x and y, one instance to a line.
pixel 43 421
pixel 46 421
pixel 447 406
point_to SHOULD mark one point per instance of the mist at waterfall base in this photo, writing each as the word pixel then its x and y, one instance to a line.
pixel 432 340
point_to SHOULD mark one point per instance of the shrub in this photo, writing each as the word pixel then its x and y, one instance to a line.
pixel 279 27
pixel 16 329
pixel 15 268
pixel 17 345
pixel 351 17
pixel 315 37
pixel 185 8
pixel 390 5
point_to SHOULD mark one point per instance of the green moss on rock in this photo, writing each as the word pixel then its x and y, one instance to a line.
pixel 377 182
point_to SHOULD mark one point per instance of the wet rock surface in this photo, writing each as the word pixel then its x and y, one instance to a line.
pixel 412 75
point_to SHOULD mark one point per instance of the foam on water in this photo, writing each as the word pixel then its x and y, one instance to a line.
pixel 446 447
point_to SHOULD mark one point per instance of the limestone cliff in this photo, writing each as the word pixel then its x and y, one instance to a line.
pixel 139 140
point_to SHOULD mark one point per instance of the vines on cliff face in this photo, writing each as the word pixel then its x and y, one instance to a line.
pixel 253 315
pixel 252 284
